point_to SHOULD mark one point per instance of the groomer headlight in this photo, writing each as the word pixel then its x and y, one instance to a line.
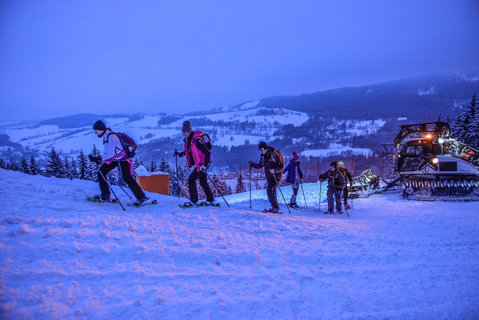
pixel 435 160
pixel 440 140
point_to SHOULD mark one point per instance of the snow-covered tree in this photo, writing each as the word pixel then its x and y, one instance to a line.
pixel 239 184
pixel 92 168
pixel 34 169
pixel 164 166
pixel 55 165
pixel 152 167
pixel 24 166
pixel 472 134
pixel 82 166
pixel 73 169
pixel 3 165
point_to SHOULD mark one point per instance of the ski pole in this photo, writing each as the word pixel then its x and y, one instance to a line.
pixel 250 187
pixel 301 184
pixel 180 185
pixel 277 183
pixel 111 189
pixel 320 192
pixel 214 185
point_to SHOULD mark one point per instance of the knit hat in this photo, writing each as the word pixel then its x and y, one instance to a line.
pixel 333 164
pixel 187 127
pixel 295 156
pixel 263 145
pixel 340 163
pixel 99 125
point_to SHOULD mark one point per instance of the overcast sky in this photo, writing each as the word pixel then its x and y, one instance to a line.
pixel 62 57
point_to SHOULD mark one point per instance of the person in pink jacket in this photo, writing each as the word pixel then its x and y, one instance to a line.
pixel 198 156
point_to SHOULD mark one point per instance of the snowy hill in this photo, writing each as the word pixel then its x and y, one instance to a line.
pixel 62 257
pixel 334 123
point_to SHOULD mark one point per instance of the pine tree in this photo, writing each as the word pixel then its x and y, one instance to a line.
pixel 54 165
pixel 240 185
pixel 82 166
pixel 92 168
pixel 164 166
pixel 152 167
pixel 73 169
pixel 472 133
pixel 3 165
pixel 67 169
pixel 34 170
pixel 24 166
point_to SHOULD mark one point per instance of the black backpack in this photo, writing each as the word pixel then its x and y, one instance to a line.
pixel 206 138
pixel 127 142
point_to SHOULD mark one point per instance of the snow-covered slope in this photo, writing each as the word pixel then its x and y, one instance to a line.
pixel 62 257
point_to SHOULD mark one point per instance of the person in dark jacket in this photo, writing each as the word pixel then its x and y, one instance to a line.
pixel 272 162
pixel 114 156
pixel 335 186
pixel 199 156
pixel 294 174
pixel 347 177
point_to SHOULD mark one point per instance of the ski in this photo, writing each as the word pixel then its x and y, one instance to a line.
pixel 146 203
pixel 267 211
pixel 88 198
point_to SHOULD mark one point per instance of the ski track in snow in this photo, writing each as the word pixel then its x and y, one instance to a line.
pixel 62 257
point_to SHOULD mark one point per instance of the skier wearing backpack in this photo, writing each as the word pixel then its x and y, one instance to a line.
pixel 197 154
pixel 272 161
pixel 335 186
pixel 114 155
pixel 347 177
pixel 294 174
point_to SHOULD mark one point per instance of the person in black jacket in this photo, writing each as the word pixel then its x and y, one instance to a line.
pixel 272 161
pixel 335 186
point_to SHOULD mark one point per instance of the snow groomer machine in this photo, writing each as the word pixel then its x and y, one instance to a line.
pixel 432 165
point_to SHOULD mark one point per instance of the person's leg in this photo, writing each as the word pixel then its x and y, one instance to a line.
pixel 337 195
pixel 206 187
pixel 102 172
pixel 271 190
pixel 192 186
pixel 345 193
pixel 295 187
pixel 330 200
pixel 134 187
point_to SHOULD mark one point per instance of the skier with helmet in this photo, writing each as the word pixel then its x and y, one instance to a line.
pixel 335 186
pixel 347 175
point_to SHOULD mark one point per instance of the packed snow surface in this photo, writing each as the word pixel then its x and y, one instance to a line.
pixel 62 257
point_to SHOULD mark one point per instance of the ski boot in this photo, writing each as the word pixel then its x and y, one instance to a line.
pixel 209 204
pixel 189 204
pixel 328 212
pixel 139 202
pixel 294 205
pixel 339 212
pixel 98 198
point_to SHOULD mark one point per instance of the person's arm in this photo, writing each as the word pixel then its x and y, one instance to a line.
pixel 324 176
pixel 258 165
pixel 348 174
pixel 202 146
pixel 288 167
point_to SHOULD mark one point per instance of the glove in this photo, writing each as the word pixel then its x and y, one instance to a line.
pixel 301 176
pixel 250 164
pixel 203 168
pixel 94 159
pixel 179 154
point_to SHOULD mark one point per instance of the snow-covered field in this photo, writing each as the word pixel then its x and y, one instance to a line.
pixel 64 258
